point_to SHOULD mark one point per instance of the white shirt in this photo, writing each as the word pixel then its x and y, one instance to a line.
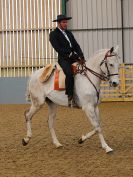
pixel 65 36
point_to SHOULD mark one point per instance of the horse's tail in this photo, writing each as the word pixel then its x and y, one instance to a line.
pixel 27 95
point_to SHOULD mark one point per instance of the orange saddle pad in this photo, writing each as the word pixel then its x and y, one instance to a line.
pixel 59 77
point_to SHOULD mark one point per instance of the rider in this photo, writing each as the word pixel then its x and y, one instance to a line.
pixel 68 51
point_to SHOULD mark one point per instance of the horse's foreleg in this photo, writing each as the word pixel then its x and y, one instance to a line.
pixel 93 115
pixel 51 120
pixel 28 117
pixel 87 136
pixel 89 115
pixel 102 140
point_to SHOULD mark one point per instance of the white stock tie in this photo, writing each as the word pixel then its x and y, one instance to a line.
pixel 67 38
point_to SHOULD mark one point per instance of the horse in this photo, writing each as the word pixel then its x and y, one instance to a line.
pixel 103 65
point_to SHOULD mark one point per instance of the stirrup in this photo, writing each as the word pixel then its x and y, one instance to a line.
pixel 72 104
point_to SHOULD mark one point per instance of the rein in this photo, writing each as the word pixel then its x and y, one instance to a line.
pixel 82 69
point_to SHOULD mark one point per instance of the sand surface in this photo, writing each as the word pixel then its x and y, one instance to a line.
pixel 40 158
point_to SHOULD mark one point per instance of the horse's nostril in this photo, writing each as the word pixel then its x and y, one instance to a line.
pixel 114 84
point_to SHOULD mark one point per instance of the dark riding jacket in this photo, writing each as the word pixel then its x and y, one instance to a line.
pixel 62 46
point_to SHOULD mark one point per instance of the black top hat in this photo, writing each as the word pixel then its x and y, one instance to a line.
pixel 62 17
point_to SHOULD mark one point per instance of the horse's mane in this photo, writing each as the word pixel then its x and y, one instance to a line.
pixel 98 52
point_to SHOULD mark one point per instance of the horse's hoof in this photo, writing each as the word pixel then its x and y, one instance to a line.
pixel 59 146
pixel 24 143
pixel 109 151
pixel 80 141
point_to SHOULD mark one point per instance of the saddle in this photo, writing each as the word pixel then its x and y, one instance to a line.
pixel 47 71
pixel 59 76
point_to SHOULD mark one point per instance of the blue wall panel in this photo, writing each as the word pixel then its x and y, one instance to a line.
pixel 13 90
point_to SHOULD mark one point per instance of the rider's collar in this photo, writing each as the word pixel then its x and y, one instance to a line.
pixel 61 29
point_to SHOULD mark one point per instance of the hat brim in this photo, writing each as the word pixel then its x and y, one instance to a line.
pixel 59 20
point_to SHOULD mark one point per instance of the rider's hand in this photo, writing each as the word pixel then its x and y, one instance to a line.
pixel 81 61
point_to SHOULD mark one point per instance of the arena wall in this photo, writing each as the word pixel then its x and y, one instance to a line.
pixel 24 35
pixel 99 24
pixel 24 39
pixel 24 43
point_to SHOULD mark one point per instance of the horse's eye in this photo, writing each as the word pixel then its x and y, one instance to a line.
pixel 111 65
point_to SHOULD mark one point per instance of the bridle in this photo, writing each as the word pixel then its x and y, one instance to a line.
pixel 82 69
pixel 104 61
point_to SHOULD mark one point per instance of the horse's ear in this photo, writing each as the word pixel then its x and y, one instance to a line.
pixel 116 49
pixel 112 49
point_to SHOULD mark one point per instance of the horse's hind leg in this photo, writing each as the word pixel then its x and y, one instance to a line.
pixel 51 120
pixel 36 103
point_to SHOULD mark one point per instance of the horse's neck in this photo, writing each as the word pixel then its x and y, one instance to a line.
pixel 94 64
